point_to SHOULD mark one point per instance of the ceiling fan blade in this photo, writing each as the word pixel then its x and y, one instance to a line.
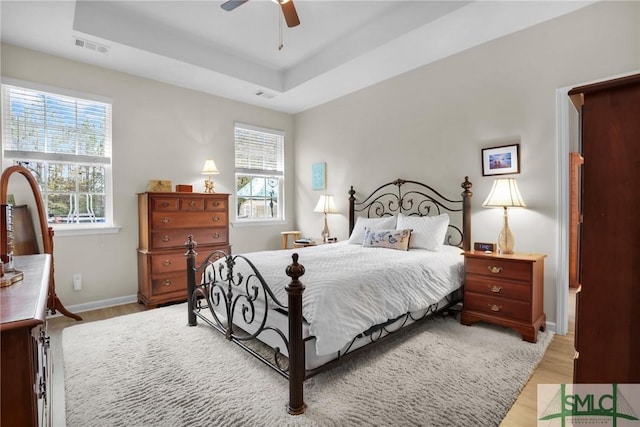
pixel 290 14
pixel 232 4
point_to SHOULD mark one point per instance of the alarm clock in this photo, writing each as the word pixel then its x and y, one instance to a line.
pixel 486 247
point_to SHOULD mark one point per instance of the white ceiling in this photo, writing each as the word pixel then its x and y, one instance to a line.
pixel 339 47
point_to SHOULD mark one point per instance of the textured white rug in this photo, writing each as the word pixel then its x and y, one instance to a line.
pixel 151 369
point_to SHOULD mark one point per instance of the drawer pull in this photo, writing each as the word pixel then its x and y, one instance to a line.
pixel 165 220
pixel 164 204
pixel 215 218
pixel 495 307
pixel 167 282
pixel 495 288
pixel 216 203
pixel 166 238
pixel 494 270
pixel 216 235
pixel 192 203
pixel 166 262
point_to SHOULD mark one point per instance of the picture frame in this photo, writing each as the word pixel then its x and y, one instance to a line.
pixel 319 176
pixel 501 160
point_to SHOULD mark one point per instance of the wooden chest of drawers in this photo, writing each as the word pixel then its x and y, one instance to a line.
pixel 165 220
pixel 505 290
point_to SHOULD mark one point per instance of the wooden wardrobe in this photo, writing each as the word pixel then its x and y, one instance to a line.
pixel 607 333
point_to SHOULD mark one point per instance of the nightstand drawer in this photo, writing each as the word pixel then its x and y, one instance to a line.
pixel 497 288
pixel 516 310
pixel 499 268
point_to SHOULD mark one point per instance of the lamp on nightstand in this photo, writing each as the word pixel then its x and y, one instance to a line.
pixel 325 205
pixel 209 169
pixel 505 194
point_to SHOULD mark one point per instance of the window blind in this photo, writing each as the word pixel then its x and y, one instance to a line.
pixel 259 150
pixel 44 126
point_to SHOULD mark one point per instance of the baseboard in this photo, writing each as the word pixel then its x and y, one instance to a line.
pixel 96 305
pixel 551 326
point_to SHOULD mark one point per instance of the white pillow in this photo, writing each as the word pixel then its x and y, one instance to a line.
pixel 428 232
pixel 383 223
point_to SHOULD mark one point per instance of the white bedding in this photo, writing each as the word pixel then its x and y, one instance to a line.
pixel 350 288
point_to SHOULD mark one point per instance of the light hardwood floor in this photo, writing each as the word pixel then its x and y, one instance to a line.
pixel 556 366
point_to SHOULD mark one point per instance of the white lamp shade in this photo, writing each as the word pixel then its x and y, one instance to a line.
pixel 504 193
pixel 210 168
pixel 326 205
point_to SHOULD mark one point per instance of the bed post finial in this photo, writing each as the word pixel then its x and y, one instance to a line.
pixel 352 213
pixel 191 255
pixel 466 214
pixel 296 344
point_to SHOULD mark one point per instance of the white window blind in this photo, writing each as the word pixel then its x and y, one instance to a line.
pixel 259 150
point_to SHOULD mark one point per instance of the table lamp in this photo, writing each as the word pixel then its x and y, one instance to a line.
pixel 505 194
pixel 209 169
pixel 325 205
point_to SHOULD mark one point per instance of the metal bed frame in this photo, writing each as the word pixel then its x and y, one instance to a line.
pixel 244 296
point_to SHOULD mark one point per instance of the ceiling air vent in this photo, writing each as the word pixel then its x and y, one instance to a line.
pixel 97 47
pixel 263 94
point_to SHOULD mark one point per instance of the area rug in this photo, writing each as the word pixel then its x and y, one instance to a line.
pixel 151 369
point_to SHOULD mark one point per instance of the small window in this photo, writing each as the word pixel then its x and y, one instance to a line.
pixel 259 174
pixel 66 143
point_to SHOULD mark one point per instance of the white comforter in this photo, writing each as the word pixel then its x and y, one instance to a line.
pixel 350 288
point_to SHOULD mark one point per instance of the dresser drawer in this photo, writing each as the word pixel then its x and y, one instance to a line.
pixel 498 288
pixel 516 310
pixel 164 204
pixel 168 220
pixel 177 238
pixel 168 283
pixel 168 263
pixel 216 205
pixel 191 204
pixel 499 268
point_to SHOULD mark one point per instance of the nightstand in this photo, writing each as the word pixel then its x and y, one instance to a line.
pixel 506 290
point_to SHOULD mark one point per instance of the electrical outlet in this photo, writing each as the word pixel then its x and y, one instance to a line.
pixel 77 282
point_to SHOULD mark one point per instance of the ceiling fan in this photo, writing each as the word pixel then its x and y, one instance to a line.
pixel 288 10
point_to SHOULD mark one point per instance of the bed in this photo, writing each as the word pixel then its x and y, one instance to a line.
pixel 402 264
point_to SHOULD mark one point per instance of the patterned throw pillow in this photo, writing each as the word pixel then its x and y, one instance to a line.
pixel 383 223
pixel 392 239
pixel 428 232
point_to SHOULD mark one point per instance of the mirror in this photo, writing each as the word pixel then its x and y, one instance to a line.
pixel 27 240
pixel 31 211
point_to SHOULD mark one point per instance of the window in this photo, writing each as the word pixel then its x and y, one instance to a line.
pixel 66 143
pixel 259 174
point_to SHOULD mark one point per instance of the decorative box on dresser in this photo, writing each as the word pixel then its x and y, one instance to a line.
pixel 164 222
pixel 25 371
pixel 506 290
pixel 607 322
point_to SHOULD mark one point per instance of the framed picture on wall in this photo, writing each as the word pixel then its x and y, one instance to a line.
pixel 501 160
pixel 319 176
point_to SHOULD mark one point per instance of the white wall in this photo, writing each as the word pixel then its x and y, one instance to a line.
pixel 430 124
pixel 159 132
